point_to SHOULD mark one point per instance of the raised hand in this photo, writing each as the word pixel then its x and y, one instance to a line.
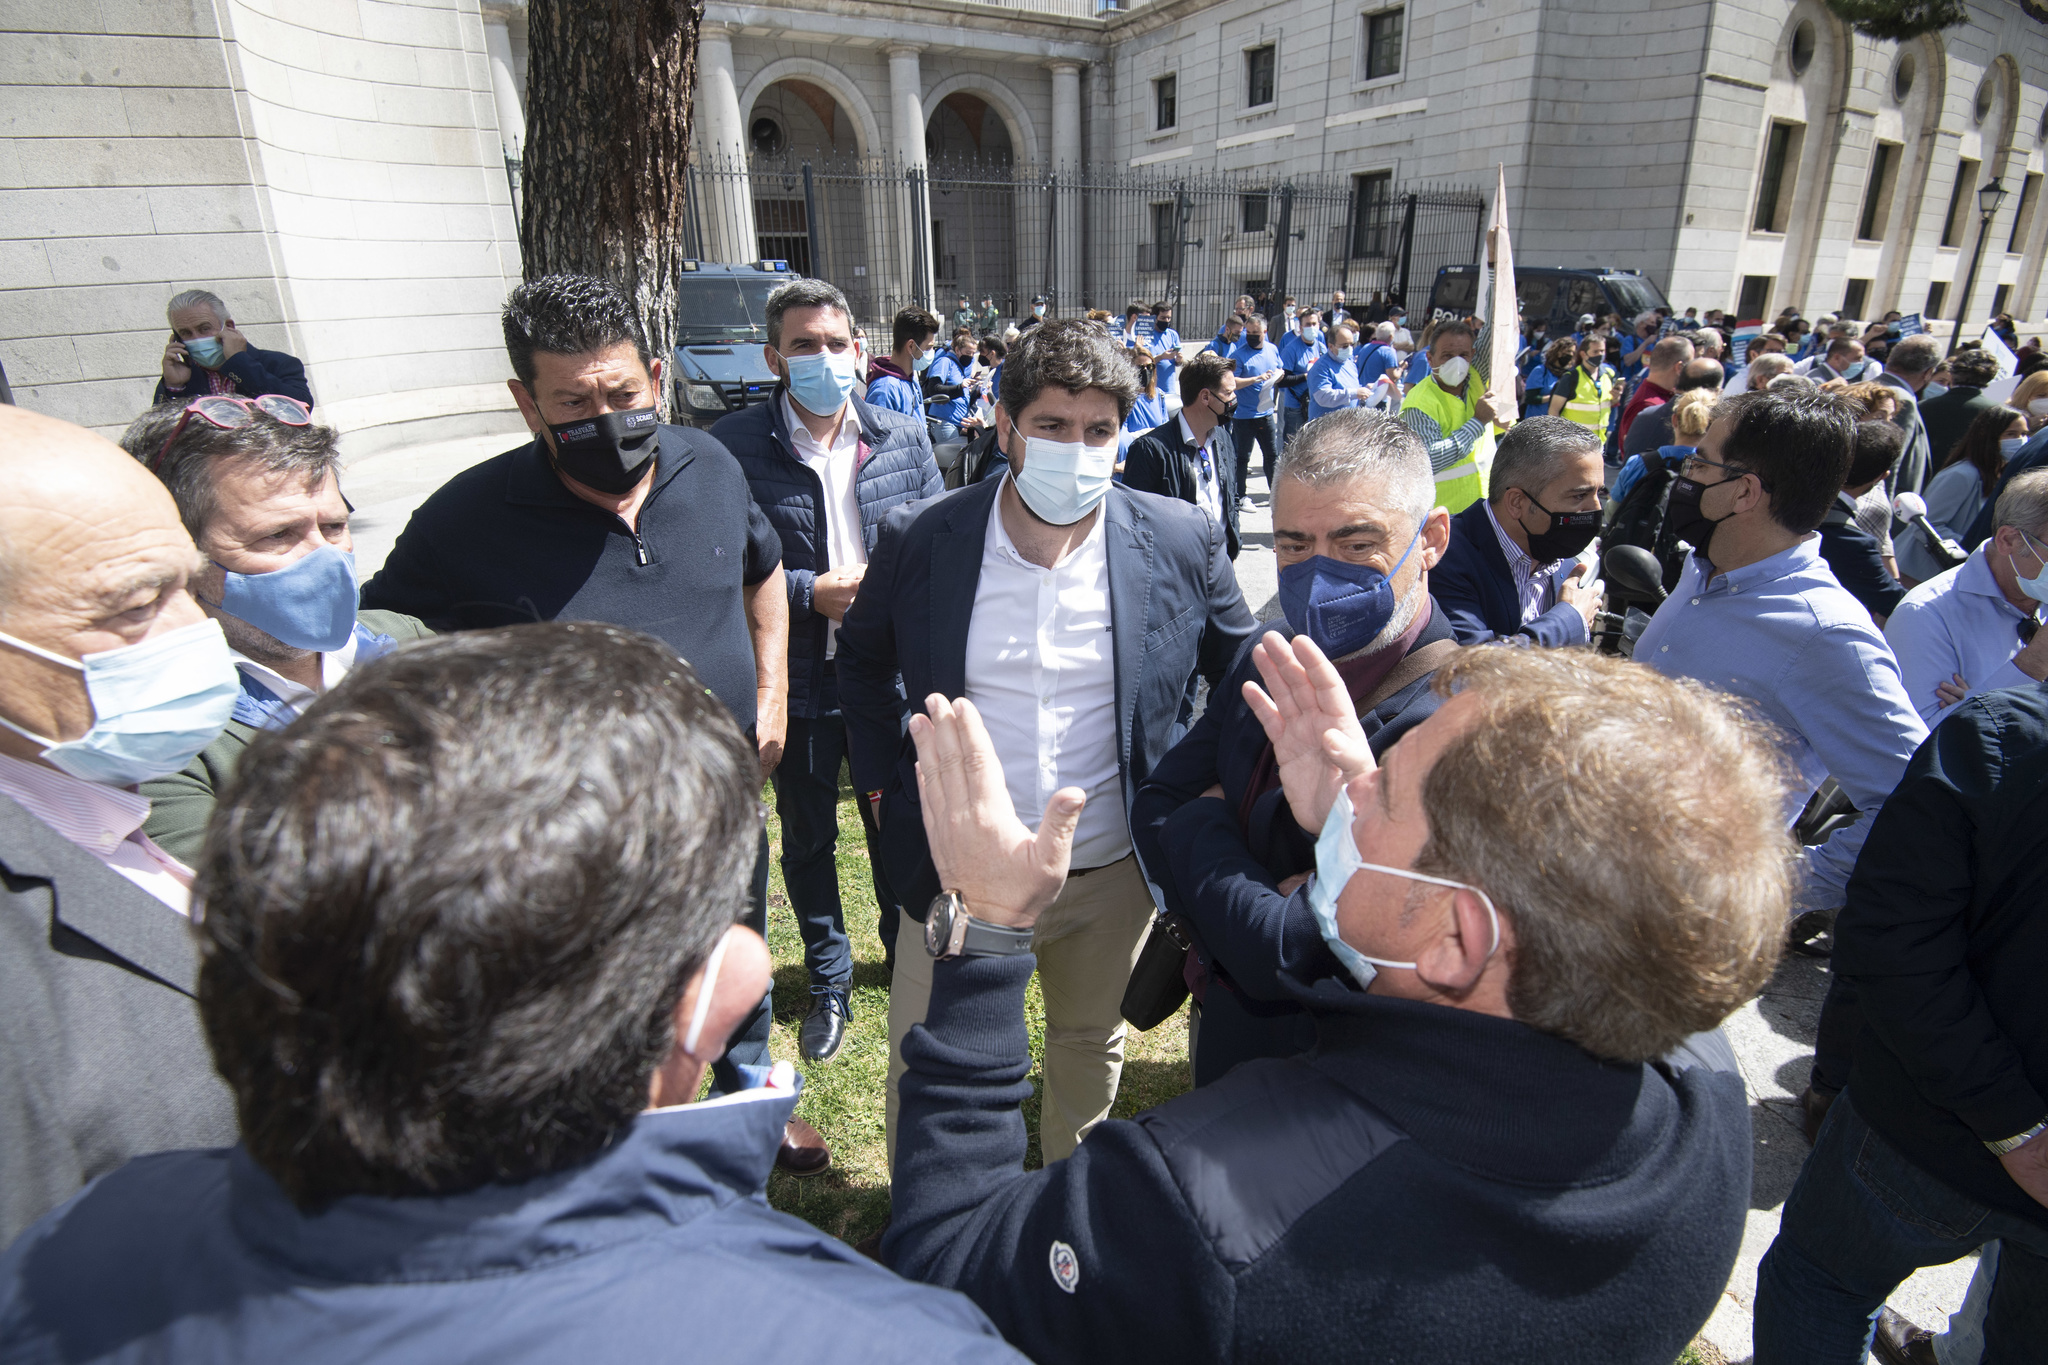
pixel 1307 713
pixel 980 848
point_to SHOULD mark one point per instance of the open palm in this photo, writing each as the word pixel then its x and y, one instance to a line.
pixel 1308 715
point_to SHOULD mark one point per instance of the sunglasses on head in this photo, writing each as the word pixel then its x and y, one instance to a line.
pixel 227 412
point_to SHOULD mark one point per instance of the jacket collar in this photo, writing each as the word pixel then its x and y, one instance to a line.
pixel 669 1168
pixel 1491 1094
pixel 531 481
pixel 97 902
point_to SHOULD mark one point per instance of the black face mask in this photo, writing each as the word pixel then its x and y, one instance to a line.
pixel 609 452
pixel 1684 519
pixel 1568 533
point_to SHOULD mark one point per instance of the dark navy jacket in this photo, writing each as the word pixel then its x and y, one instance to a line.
pixel 662 1248
pixel 1175 608
pixel 254 373
pixel 1474 586
pixel 1428 1184
pixel 1161 461
pixel 1224 876
pixel 897 468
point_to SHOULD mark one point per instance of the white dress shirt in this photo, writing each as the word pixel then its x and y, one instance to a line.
pixel 1208 492
pixel 104 821
pixel 334 666
pixel 836 467
pixel 1956 622
pixel 1042 671
pixel 1535 584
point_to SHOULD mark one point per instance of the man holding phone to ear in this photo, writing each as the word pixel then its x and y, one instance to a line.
pixel 208 354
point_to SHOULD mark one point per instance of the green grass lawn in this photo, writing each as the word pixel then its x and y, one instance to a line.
pixel 843 1097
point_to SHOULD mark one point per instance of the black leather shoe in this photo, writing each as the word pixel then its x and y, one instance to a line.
pixel 1813 1108
pixel 824 1028
pixel 1899 1342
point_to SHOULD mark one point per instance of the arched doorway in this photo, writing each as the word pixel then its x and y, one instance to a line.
pixel 973 167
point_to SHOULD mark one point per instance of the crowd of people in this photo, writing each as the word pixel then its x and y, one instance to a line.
pixel 386 971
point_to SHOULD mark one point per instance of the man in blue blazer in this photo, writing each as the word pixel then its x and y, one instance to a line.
pixel 1510 573
pixel 1354 507
pixel 1071 611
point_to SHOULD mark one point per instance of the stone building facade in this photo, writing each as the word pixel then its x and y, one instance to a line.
pixel 337 169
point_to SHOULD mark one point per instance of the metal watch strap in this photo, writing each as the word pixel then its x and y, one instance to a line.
pixel 2017 1140
pixel 984 939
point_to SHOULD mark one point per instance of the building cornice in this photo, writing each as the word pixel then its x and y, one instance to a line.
pixel 935 25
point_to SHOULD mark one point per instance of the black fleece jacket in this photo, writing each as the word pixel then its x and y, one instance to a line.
pixel 1428 1184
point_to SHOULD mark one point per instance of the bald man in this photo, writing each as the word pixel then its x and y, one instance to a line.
pixel 110 675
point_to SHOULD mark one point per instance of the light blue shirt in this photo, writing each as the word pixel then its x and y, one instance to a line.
pixel 1956 622
pixel 1331 384
pixel 947 369
pixel 1165 344
pixel 1300 356
pixel 1784 635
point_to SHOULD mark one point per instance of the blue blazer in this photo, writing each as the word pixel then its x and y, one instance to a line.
pixel 1175 608
pixel 1473 585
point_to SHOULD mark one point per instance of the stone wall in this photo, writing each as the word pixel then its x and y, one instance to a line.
pixel 329 167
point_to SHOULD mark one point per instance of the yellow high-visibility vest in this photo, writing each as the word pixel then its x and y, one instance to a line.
pixel 1464 483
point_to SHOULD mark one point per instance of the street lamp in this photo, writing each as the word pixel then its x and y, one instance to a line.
pixel 1989 197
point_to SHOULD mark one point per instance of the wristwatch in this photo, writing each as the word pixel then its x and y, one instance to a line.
pixel 949 931
pixel 2004 1145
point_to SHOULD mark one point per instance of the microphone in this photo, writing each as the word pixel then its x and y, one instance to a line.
pixel 1911 508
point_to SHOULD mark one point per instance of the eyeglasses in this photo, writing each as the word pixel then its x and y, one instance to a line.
pixel 1691 465
pixel 227 412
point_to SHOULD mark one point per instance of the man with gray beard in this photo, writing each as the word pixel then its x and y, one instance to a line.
pixel 1356 531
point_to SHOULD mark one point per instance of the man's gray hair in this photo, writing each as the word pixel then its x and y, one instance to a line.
pixel 1792 383
pixel 1913 355
pixel 2024 504
pixel 1647 317
pixel 1532 455
pixel 191 467
pixel 1384 332
pixel 1359 443
pixel 1767 367
pixel 803 294
pixel 192 298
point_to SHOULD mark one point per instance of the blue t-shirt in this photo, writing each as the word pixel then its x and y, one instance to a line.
pixel 946 369
pixel 1418 369
pixel 1298 355
pixel 1374 361
pixel 1331 382
pixel 1146 413
pixel 1250 364
pixel 1165 345
pixel 896 393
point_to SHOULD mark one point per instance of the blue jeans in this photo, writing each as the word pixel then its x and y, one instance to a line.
pixel 807 799
pixel 1291 420
pixel 1263 432
pixel 746 1061
pixel 1862 1217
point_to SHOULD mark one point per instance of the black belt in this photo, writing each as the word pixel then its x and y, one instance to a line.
pixel 1073 872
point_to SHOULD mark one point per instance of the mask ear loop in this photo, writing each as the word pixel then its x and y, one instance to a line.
pixel 705 987
pixel 1492 914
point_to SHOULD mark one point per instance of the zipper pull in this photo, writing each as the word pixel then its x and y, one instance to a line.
pixel 640 551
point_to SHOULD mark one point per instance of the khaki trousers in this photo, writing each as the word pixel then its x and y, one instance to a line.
pixel 1087 942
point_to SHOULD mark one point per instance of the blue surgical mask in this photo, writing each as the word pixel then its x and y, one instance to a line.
pixel 821 382
pixel 1063 481
pixel 1337 861
pixel 1340 354
pixel 2037 586
pixel 308 604
pixel 206 352
pixel 922 363
pixel 1342 607
pixel 2009 446
pixel 1311 334
pixel 155 705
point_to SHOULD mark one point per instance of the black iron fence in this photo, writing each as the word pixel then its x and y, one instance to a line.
pixel 1088 238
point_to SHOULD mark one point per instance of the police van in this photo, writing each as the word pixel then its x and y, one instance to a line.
pixel 1559 294
pixel 721 326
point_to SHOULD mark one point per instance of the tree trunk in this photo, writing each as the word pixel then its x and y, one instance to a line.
pixel 608 90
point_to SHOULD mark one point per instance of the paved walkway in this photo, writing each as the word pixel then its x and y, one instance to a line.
pixel 1773 1034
